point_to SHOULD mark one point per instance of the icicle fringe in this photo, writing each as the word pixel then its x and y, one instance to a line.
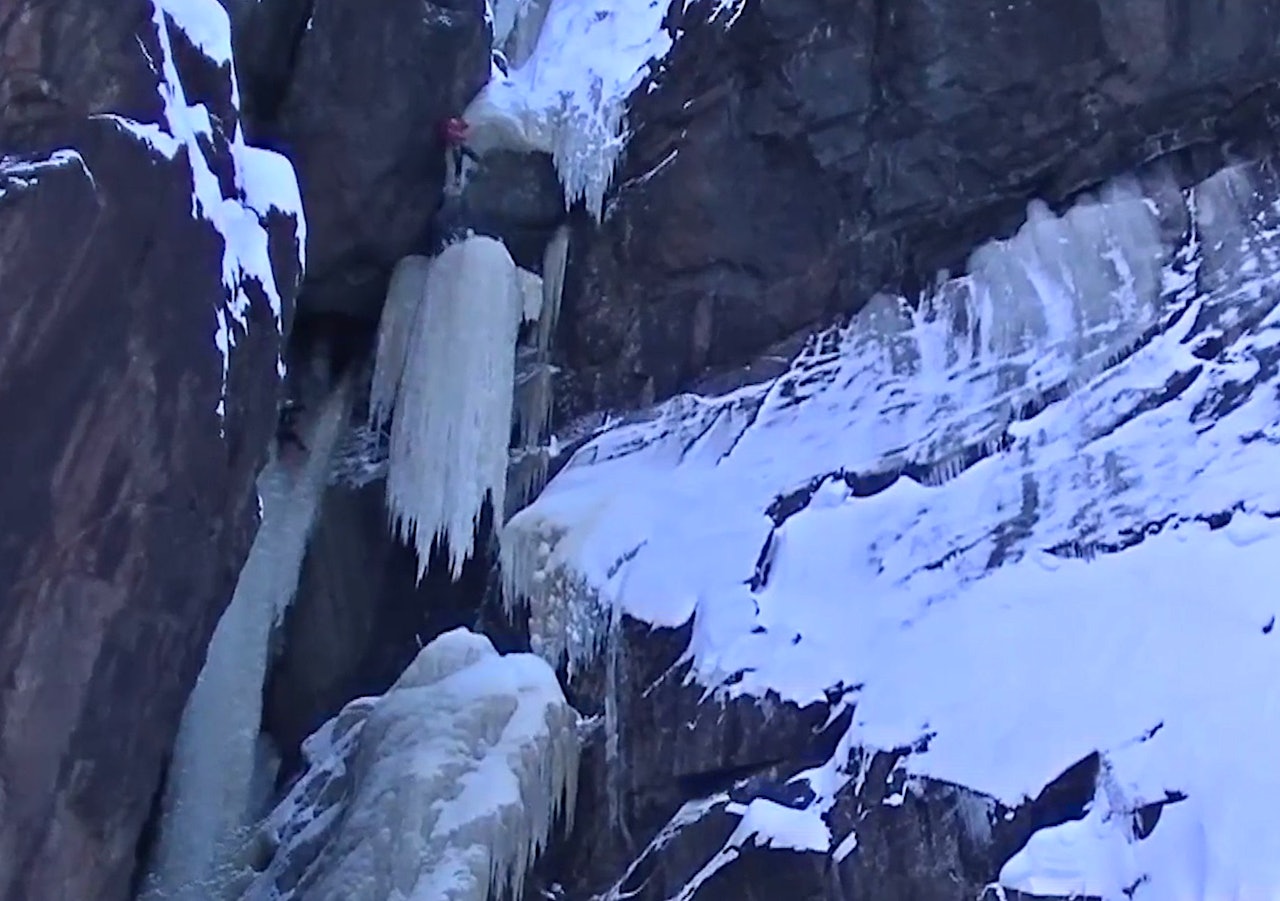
pixel 453 397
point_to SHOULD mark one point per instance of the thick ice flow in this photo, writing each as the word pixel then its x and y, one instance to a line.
pixel 446 788
pixel 210 801
pixel 1032 517
pixel 446 361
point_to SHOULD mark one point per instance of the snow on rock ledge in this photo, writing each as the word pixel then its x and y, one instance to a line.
pixel 569 97
pixel 444 789
pixel 1033 519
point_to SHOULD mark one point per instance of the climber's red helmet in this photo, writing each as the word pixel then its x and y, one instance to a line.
pixel 454 130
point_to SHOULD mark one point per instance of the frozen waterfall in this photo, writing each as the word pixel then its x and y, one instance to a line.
pixel 444 789
pixel 446 369
pixel 213 791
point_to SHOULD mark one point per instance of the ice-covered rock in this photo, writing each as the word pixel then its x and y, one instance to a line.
pixel 568 96
pixel 446 788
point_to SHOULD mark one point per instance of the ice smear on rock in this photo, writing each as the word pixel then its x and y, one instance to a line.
pixel 446 788
pixel 1052 482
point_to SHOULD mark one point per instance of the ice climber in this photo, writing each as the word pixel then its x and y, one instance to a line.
pixel 454 132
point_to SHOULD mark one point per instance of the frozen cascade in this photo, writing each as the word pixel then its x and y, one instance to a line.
pixel 516 24
pixel 446 788
pixel 404 297
pixel 446 365
pixel 213 790
pixel 535 374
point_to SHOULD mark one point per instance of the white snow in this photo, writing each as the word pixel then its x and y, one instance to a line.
pixel 938 593
pixel 446 362
pixel 210 797
pixel 569 97
pixel 446 788
pixel 20 173
pixel 265 180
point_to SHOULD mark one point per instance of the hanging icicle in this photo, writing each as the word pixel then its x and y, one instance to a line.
pixel 453 401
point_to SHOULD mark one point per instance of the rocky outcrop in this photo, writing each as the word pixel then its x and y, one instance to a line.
pixel 786 168
pixel 127 503
pixel 359 116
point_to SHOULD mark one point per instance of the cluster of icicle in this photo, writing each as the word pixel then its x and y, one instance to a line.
pixel 445 380
pixel 534 375
pixel 585 143
pixel 567 615
pixel 220 776
pixel 445 367
pixel 1052 306
pixel 1036 316
pixel 444 789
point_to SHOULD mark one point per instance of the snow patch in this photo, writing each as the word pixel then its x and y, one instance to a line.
pixel 20 173
pixel 446 788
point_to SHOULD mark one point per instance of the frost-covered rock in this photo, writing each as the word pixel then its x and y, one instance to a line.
pixel 444 789
pixel 1021 532
pixel 148 259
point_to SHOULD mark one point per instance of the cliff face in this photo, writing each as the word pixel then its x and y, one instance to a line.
pixel 780 172
pixel 817 151
pixel 355 100
pixel 138 385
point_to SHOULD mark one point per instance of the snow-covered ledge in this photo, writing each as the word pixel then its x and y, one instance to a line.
pixel 569 97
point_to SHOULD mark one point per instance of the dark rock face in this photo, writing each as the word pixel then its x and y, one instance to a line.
pixel 360 615
pixel 820 150
pixel 124 516
pixel 514 197
pixel 360 119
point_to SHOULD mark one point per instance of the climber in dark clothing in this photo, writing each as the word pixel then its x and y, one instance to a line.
pixel 454 133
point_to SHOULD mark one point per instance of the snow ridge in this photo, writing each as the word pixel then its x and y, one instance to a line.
pixel 1073 446
pixel 265 181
